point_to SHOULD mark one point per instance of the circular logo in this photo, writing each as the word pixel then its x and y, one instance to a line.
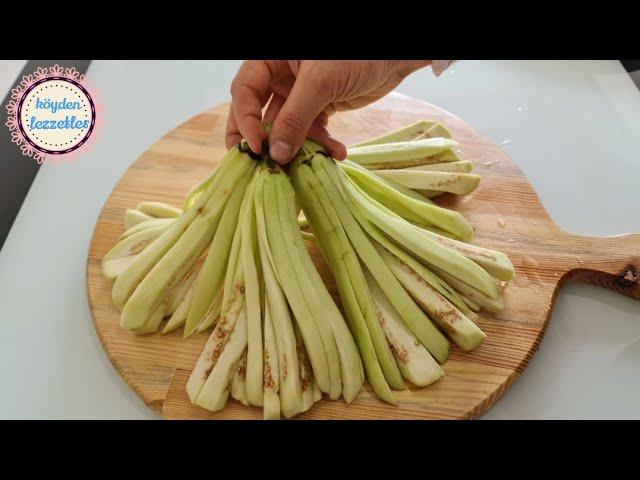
pixel 56 115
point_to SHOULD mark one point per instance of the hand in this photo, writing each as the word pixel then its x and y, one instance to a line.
pixel 302 94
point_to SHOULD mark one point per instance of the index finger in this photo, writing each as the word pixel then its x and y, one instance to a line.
pixel 232 134
pixel 250 91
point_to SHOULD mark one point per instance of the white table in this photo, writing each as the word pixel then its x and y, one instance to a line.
pixel 573 127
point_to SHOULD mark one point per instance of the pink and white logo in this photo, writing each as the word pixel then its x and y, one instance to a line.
pixel 51 113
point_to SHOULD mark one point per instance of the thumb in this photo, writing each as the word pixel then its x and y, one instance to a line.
pixel 291 126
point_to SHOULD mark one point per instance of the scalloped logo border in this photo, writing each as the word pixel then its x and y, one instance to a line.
pixel 19 92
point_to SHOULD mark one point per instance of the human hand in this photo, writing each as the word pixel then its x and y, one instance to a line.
pixel 303 94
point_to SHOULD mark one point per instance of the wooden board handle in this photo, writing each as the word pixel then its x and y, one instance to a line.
pixel 611 262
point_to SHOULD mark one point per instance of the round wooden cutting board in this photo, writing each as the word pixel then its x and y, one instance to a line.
pixel 505 211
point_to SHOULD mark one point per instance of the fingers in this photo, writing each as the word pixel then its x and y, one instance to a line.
pixel 317 131
pixel 232 134
pixel 249 92
pixel 274 108
pixel 298 109
pixel 247 112
pixel 290 127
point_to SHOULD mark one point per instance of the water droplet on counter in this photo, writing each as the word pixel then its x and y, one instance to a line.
pixel 487 164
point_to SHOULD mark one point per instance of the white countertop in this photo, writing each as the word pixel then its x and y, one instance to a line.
pixel 573 127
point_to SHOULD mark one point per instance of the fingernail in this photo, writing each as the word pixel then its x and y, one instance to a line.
pixel 281 151
pixel 339 154
pixel 256 147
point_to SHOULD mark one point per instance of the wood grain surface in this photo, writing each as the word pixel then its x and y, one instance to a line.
pixel 505 211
